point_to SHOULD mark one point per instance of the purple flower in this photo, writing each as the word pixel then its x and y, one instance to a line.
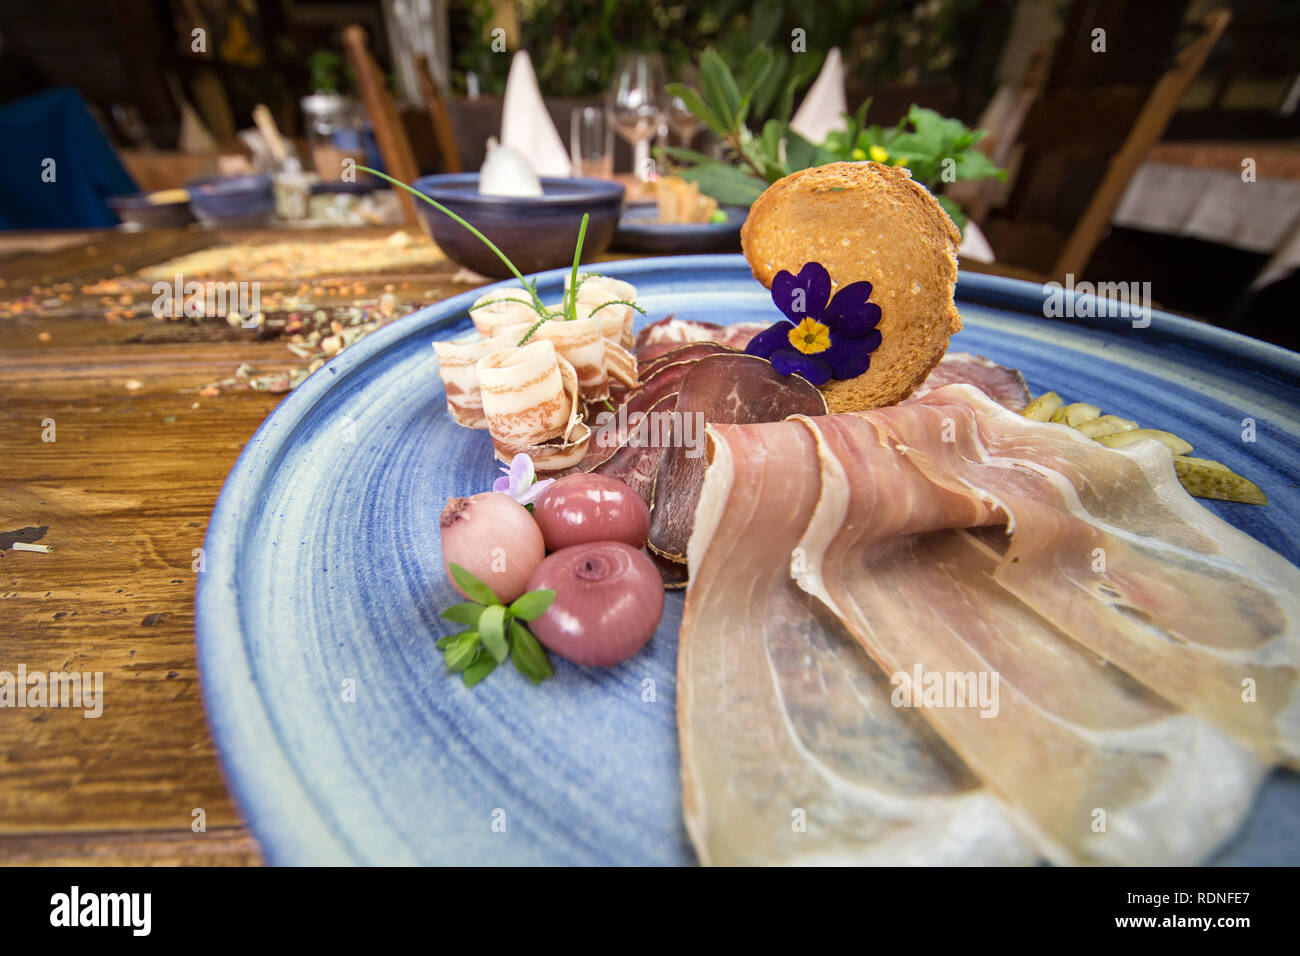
pixel 518 481
pixel 821 337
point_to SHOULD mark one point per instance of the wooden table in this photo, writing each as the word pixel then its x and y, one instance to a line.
pixel 122 495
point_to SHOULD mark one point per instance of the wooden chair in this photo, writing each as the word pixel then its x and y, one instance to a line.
pixel 1085 137
pixel 1146 132
pixel 394 145
pixel 442 130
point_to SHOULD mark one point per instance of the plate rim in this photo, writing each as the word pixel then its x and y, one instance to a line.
pixel 259 773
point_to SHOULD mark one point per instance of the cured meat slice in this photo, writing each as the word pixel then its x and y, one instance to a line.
pixel 718 389
pixel 676 353
pixel 666 334
pixel 738 334
pixel 791 750
pixel 636 459
pixel 675 331
pixel 1006 386
pixel 1098 768
pixel 1108 546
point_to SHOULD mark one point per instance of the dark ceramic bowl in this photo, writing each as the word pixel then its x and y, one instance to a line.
pixel 639 230
pixel 137 210
pixel 233 201
pixel 536 233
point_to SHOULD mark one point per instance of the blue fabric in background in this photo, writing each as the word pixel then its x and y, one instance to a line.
pixel 56 125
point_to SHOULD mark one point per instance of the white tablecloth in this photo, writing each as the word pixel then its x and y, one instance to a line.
pixel 1218 206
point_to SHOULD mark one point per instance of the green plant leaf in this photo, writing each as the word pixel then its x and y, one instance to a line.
pixel 719 87
pixel 771 85
pixel 773 133
pixel 484 665
pixel 799 153
pixel 474 589
pixel 461 652
pixel 726 184
pixel 465 613
pixel 684 155
pixel 530 660
pixel 758 63
pixel 492 630
pixel 975 165
pixel 532 605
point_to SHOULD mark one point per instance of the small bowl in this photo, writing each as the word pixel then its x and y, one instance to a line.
pixel 639 230
pixel 233 201
pixel 536 232
pixel 136 210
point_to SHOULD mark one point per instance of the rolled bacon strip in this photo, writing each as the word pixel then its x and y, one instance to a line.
pixel 582 343
pixel 456 367
pixel 494 311
pixel 531 403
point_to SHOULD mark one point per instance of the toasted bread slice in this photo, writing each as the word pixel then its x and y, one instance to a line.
pixel 867 221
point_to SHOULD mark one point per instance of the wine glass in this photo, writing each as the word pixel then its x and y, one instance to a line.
pixel 636 104
pixel 682 121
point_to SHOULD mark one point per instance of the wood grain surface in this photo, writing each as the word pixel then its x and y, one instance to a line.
pixel 122 495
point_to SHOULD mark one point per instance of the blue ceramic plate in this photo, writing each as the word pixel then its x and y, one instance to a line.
pixel 640 231
pixel 345 741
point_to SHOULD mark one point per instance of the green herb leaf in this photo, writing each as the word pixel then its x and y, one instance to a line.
pixel 492 629
pixel 533 605
pixel 571 295
pixel 465 613
pixel 472 586
pixel 461 652
pixel 443 642
pixel 485 665
pixel 530 660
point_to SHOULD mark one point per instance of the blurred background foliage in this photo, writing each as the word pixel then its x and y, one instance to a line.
pixel 573 43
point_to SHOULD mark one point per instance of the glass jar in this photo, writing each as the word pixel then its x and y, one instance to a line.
pixel 334 132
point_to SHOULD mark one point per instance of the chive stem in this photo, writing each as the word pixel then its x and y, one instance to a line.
pixel 537 301
pixel 571 294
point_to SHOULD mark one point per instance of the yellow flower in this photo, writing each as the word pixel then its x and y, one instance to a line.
pixel 878 154
pixel 810 337
pixel 857 154
pixel 901 161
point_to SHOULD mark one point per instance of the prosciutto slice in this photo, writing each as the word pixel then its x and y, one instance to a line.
pixel 1109 547
pixel 1097 768
pixel 791 750
pixel 953 537
pixel 718 388
pixel 1006 386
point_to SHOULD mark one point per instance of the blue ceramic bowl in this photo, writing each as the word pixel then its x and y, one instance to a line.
pixel 639 230
pixel 136 209
pixel 233 201
pixel 537 233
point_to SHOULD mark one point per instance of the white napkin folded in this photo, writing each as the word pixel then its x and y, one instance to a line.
pixel 823 109
pixel 525 124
